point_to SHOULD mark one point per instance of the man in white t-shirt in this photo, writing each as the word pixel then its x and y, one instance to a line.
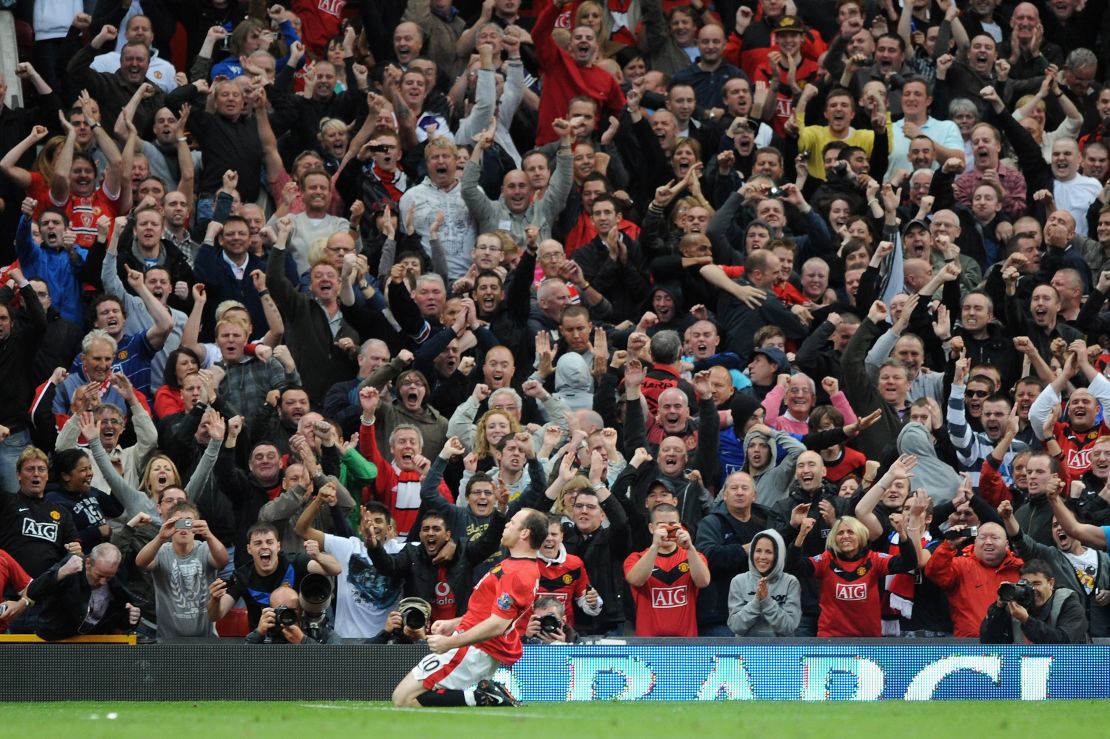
pixel 364 596
pixel 1072 191
pixel 160 72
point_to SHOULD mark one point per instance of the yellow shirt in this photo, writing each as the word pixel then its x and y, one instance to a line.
pixel 814 139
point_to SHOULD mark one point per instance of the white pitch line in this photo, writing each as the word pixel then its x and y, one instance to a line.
pixel 448 711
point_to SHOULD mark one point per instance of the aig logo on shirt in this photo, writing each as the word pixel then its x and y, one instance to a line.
pixel 668 597
pixel 851 591
pixel 38 530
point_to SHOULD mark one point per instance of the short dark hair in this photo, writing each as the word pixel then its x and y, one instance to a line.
pixel 535 523
pixel 1037 567
pixel 663 508
pixel 380 509
pixel 757 260
pixel 106 298
pixel 263 528
pixel 488 273
pixel 54 211
pixel 477 478
pixel 575 310
pixel 237 219
pixel 437 515
pixel 605 197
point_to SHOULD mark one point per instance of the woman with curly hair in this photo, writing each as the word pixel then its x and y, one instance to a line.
pixel 494 425
pixel 71 486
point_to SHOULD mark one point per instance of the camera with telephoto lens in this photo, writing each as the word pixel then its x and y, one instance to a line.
pixel 415 613
pixel 969 533
pixel 1020 592
pixel 284 616
pixel 550 623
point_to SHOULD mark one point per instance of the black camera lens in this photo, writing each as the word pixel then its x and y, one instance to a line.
pixel 414 619
pixel 550 623
pixel 285 616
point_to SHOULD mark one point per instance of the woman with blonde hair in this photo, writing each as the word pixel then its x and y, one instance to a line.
pixel 160 472
pixel 850 574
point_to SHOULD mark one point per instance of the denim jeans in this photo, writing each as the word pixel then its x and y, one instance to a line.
pixel 10 449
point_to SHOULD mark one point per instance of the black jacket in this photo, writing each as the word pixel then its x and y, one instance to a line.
pixel 625 285
pixel 603 553
pixel 89 512
pixel 413 565
pixel 721 538
pixel 220 284
pixel 17 355
pixel 1063 571
pixel 741 322
pixel 66 603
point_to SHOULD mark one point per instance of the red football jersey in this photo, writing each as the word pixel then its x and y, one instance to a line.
pixel 567 582
pixel 667 604
pixel 83 212
pixel 851 599
pixel 508 591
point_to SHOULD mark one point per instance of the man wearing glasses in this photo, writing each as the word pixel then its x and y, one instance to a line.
pixel 603 550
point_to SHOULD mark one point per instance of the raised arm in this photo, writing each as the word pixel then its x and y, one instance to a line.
pixel 1092 536
pixel 163 326
pixel 9 165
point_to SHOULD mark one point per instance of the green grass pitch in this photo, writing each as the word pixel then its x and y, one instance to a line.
pixel 244 720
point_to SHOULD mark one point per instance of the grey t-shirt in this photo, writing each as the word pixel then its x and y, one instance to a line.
pixel 181 591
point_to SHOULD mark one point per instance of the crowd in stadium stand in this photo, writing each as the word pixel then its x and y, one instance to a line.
pixel 788 314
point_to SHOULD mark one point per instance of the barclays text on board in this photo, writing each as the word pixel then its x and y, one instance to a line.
pixel 810 673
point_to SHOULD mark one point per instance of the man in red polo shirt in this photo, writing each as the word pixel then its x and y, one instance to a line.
pixel 665 578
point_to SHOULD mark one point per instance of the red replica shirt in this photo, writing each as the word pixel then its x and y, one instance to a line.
pixel 1077 447
pixel 508 591
pixel 567 581
pixel 12 577
pixel 851 594
pixel 82 212
pixel 666 604
pixel 851 462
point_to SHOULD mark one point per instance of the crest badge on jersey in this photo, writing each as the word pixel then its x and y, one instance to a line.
pixel 504 601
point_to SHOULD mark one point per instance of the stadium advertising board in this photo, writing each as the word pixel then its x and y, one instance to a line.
pixel 914 671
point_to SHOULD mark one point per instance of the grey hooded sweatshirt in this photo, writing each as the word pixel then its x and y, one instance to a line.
pixel 772 482
pixel 938 479
pixel 776 615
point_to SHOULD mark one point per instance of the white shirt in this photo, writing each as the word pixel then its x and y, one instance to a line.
pixel 161 72
pixel 364 596
pixel 945 133
pixel 1075 196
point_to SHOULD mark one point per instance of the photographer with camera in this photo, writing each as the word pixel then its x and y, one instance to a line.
pixel 283 622
pixel 1033 610
pixel 1075 566
pixel 268 569
pixel 548 624
pixel 182 572
pixel 406 625
pixel 366 598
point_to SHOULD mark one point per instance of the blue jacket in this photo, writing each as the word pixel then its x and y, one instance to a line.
pixel 52 266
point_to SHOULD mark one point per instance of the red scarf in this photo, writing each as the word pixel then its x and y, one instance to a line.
pixel 391 180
